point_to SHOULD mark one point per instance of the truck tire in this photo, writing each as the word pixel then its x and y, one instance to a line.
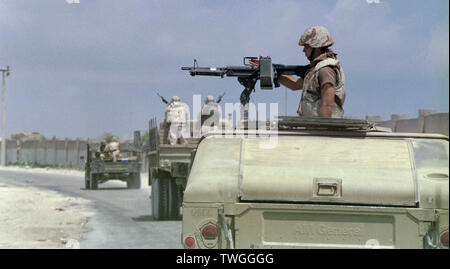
pixel 134 181
pixel 87 182
pixel 174 200
pixel 160 198
pixel 94 182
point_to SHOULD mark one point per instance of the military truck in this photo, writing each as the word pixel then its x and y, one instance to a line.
pixel 318 183
pixel 98 170
pixel 168 171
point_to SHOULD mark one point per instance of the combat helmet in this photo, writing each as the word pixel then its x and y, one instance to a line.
pixel 175 99
pixel 209 99
pixel 316 37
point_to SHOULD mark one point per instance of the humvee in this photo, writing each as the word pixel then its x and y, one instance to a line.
pixel 98 170
pixel 318 183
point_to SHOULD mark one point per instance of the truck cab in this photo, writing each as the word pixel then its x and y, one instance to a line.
pixel 318 183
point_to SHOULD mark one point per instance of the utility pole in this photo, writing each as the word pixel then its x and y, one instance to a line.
pixel 5 73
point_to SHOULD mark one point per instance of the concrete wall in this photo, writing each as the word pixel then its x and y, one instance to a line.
pixel 47 152
pixel 60 152
pixel 427 122
pixel 436 123
pixel 50 152
pixel 11 151
pixel 26 151
pixel 409 126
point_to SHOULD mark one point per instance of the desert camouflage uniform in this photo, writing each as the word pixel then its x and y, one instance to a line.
pixel 311 102
pixel 177 118
pixel 114 149
pixel 210 115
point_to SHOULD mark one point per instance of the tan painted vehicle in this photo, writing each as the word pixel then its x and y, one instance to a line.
pixel 168 168
pixel 98 170
pixel 168 171
pixel 318 183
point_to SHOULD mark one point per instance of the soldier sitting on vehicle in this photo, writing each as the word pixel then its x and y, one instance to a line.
pixel 113 148
pixel 101 151
pixel 177 118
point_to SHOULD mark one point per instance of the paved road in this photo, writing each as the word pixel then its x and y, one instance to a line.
pixel 123 218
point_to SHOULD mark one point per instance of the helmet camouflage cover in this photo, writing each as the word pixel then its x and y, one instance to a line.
pixel 209 99
pixel 316 37
pixel 175 99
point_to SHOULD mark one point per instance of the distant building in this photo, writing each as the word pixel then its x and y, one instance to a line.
pixel 27 136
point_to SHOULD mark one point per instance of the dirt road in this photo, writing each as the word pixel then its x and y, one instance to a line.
pixel 42 208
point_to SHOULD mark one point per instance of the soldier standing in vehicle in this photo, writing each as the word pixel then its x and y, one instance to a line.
pixel 177 118
pixel 323 85
pixel 210 115
pixel 113 148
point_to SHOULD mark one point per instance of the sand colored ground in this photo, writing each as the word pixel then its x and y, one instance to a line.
pixel 36 218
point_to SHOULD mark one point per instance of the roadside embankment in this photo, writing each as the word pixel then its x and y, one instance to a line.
pixel 40 219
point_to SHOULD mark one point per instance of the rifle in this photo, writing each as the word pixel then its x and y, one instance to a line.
pixel 220 97
pixel 163 99
pixel 248 74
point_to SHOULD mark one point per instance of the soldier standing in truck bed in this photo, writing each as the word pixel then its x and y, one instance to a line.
pixel 210 115
pixel 113 148
pixel 177 118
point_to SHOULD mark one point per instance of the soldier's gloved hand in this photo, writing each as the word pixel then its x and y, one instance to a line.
pixel 254 62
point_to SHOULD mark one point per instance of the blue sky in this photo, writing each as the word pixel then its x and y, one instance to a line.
pixel 80 70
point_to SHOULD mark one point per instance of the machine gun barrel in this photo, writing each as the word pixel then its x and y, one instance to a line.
pixel 229 71
pixel 204 71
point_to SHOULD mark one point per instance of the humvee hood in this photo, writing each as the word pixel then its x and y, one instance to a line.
pixel 365 170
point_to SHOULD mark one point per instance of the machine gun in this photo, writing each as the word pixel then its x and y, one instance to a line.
pixel 249 74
